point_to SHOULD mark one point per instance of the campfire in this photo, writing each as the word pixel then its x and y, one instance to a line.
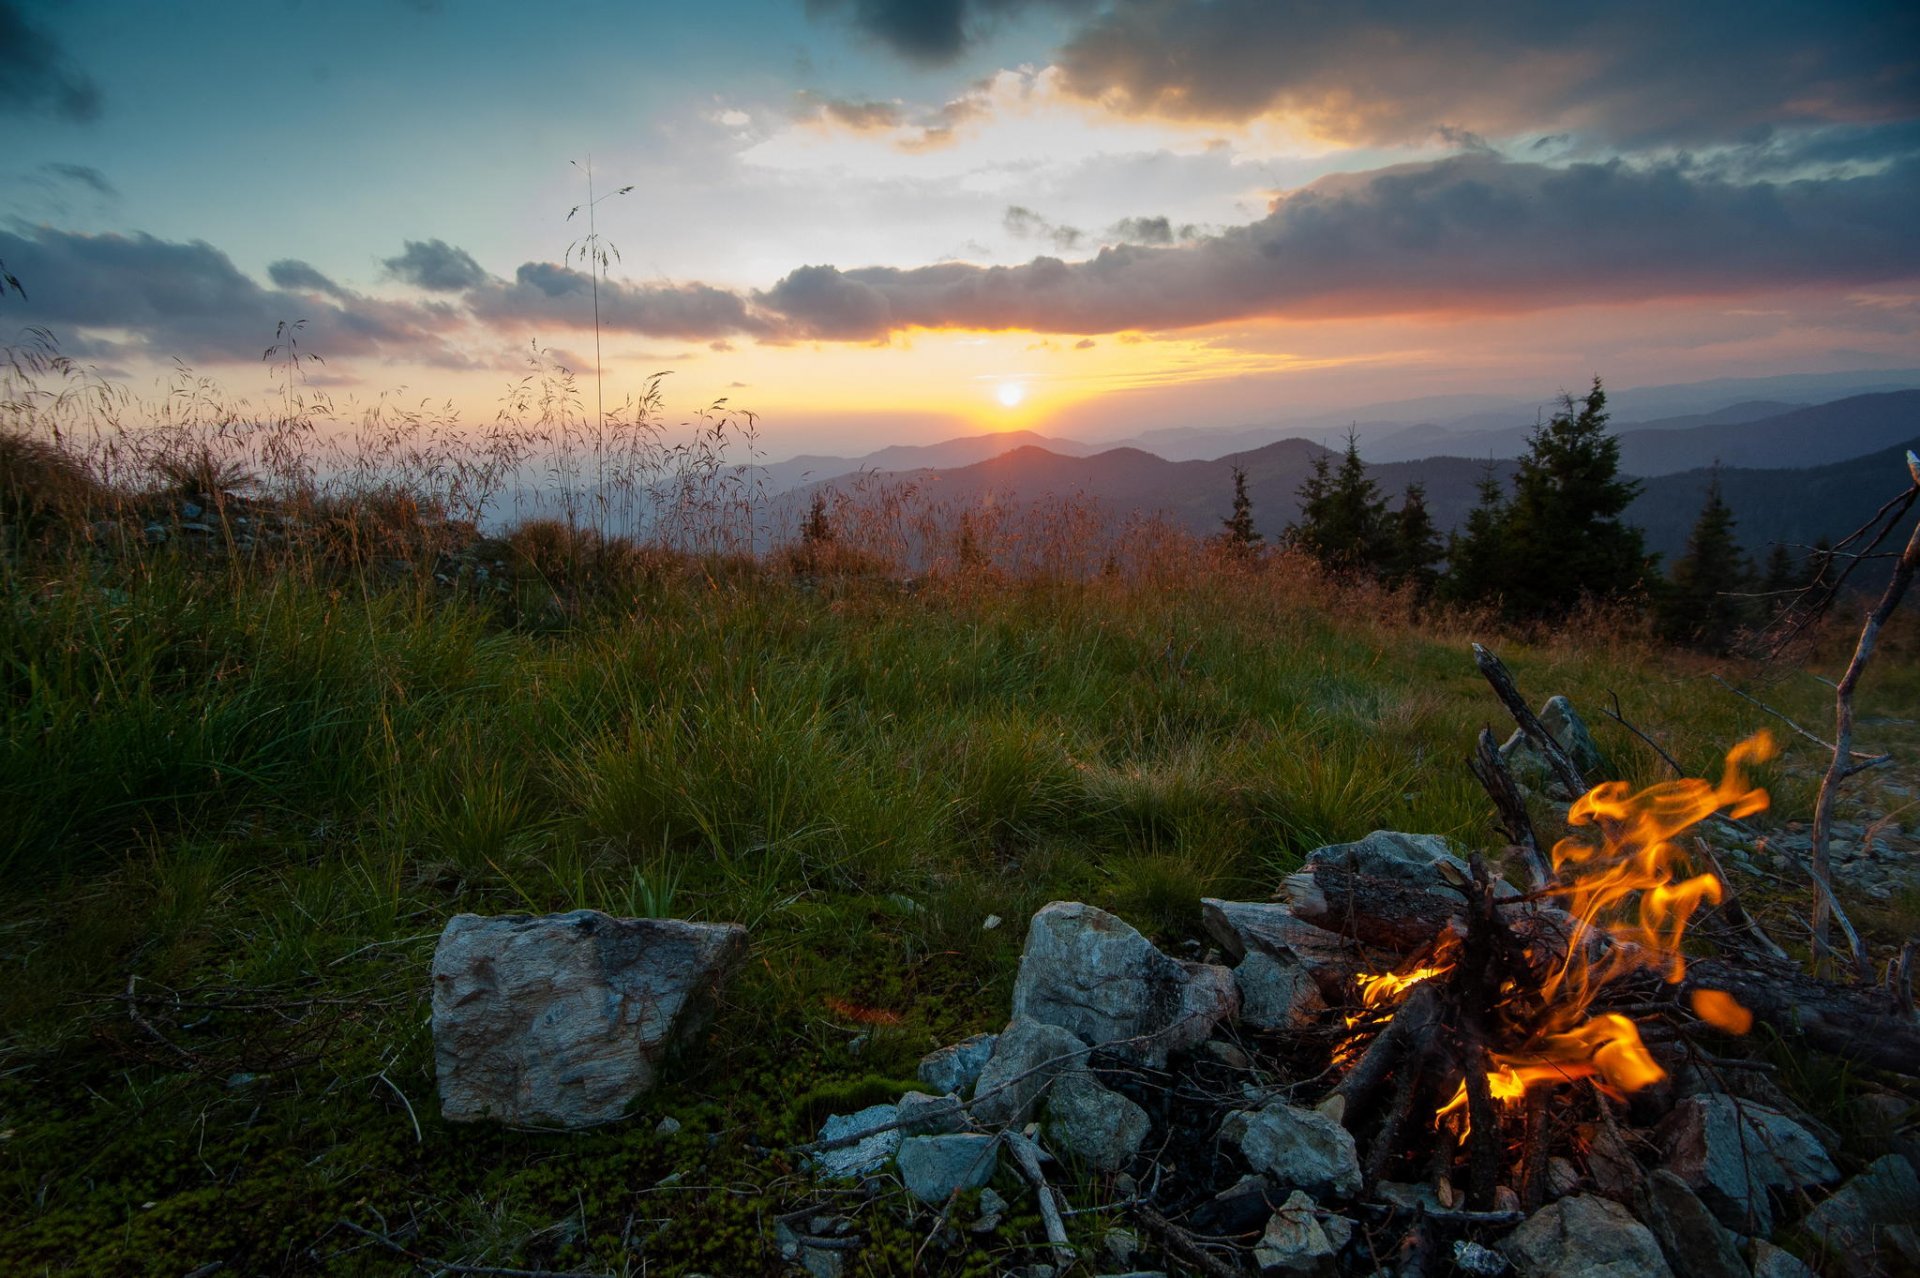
pixel 1514 999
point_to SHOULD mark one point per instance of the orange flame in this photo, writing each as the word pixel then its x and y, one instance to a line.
pixel 1632 886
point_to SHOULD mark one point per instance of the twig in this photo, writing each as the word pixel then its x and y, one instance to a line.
pixel 1868 761
pixel 1730 903
pixel 418 1139
pixel 451 1267
pixel 1621 719
pixel 1536 732
pixel 1184 1245
pixel 1028 1157
pixel 1839 770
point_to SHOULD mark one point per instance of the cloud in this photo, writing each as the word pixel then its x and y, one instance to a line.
pixel 1395 71
pixel 83 175
pixel 437 266
pixel 858 114
pixel 914 128
pixel 36 77
pixel 290 273
pixel 543 292
pixel 1025 224
pixel 1471 232
pixel 189 300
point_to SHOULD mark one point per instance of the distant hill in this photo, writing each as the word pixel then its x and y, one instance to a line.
pixel 1510 438
pixel 1795 505
pixel 1817 436
pixel 779 477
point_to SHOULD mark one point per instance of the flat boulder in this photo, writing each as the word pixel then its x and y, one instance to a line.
pixel 1584 1237
pixel 956 1067
pixel 1732 1153
pixel 934 1168
pixel 1297 1148
pixel 1093 975
pixel 562 1020
pixel 1874 1219
pixel 1098 1126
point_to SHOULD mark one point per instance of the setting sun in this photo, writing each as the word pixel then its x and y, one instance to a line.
pixel 1010 394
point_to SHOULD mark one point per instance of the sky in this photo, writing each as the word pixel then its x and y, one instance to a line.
pixel 896 221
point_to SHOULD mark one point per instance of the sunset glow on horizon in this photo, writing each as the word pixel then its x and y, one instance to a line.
pixel 888 222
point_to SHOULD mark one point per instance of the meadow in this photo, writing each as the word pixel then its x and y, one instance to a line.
pixel 246 775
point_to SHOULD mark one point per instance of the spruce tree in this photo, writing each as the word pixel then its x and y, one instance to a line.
pixel 1562 536
pixel 1240 537
pixel 1343 518
pixel 1702 605
pixel 1414 546
pixel 1476 555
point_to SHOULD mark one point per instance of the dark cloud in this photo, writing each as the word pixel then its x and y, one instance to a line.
pixel 859 114
pixel 36 76
pixel 1085 344
pixel 436 265
pixel 1142 230
pixel 543 292
pixel 1396 70
pixel 928 31
pixel 1472 232
pixel 290 273
pixel 1025 224
pixel 191 301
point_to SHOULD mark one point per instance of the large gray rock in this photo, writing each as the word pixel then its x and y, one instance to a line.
pixel 1694 1243
pixel 1564 724
pixel 1088 972
pixel 1241 928
pixel 922 1115
pixel 1873 1219
pixel 1732 1152
pixel 1296 1147
pixel 957 1067
pixel 1276 993
pixel 1295 1245
pixel 1424 861
pixel 878 1134
pixel 1026 1057
pixel 934 1167
pixel 1098 1126
pixel 563 1019
pixel 1585 1237
pixel 1770 1261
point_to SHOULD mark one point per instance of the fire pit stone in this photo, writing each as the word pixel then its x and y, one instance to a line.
pixel 1296 1147
pixel 1297 1244
pixel 1732 1152
pixel 1091 973
pixel 1696 1244
pixel 1276 993
pixel 1025 1058
pixel 1585 1237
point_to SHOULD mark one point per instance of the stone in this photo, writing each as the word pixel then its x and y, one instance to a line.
pixel 1585 1237
pixel 1296 1147
pixel 870 1153
pixel 934 1168
pixel 1100 1127
pixel 1732 1152
pixel 1563 1177
pixel 1477 1261
pixel 1413 859
pixel 993 1209
pixel 1770 1261
pixel 1092 974
pixel 1875 1214
pixel 1120 1246
pixel 1564 724
pixel 1241 928
pixel 957 1067
pixel 563 1019
pixel 921 1114
pixel 1025 1059
pixel 1694 1243
pixel 1294 1245
pixel 1277 994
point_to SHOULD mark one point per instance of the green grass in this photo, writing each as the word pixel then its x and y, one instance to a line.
pixel 222 781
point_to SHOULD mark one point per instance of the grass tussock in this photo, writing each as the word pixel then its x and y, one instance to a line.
pixel 235 762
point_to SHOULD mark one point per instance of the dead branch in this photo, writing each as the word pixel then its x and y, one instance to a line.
pixel 1183 1244
pixel 1491 771
pixel 1842 768
pixel 1620 718
pixel 1822 593
pixel 1536 732
pixel 1866 760
pixel 1858 1023
pixel 1027 1155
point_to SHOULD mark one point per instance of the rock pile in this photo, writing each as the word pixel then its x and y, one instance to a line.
pixel 1177 1089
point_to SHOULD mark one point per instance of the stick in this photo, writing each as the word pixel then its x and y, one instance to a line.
pixel 1491 771
pixel 1183 1244
pixel 1868 761
pixel 1028 1157
pixel 1621 719
pixel 1840 769
pixel 1557 759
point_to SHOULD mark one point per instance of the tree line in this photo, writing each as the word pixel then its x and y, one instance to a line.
pixel 1538 550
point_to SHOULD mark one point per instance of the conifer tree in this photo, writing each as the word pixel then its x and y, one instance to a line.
pixel 1702 605
pixel 1240 537
pixel 1475 555
pixel 1414 546
pixel 1343 518
pixel 1562 535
